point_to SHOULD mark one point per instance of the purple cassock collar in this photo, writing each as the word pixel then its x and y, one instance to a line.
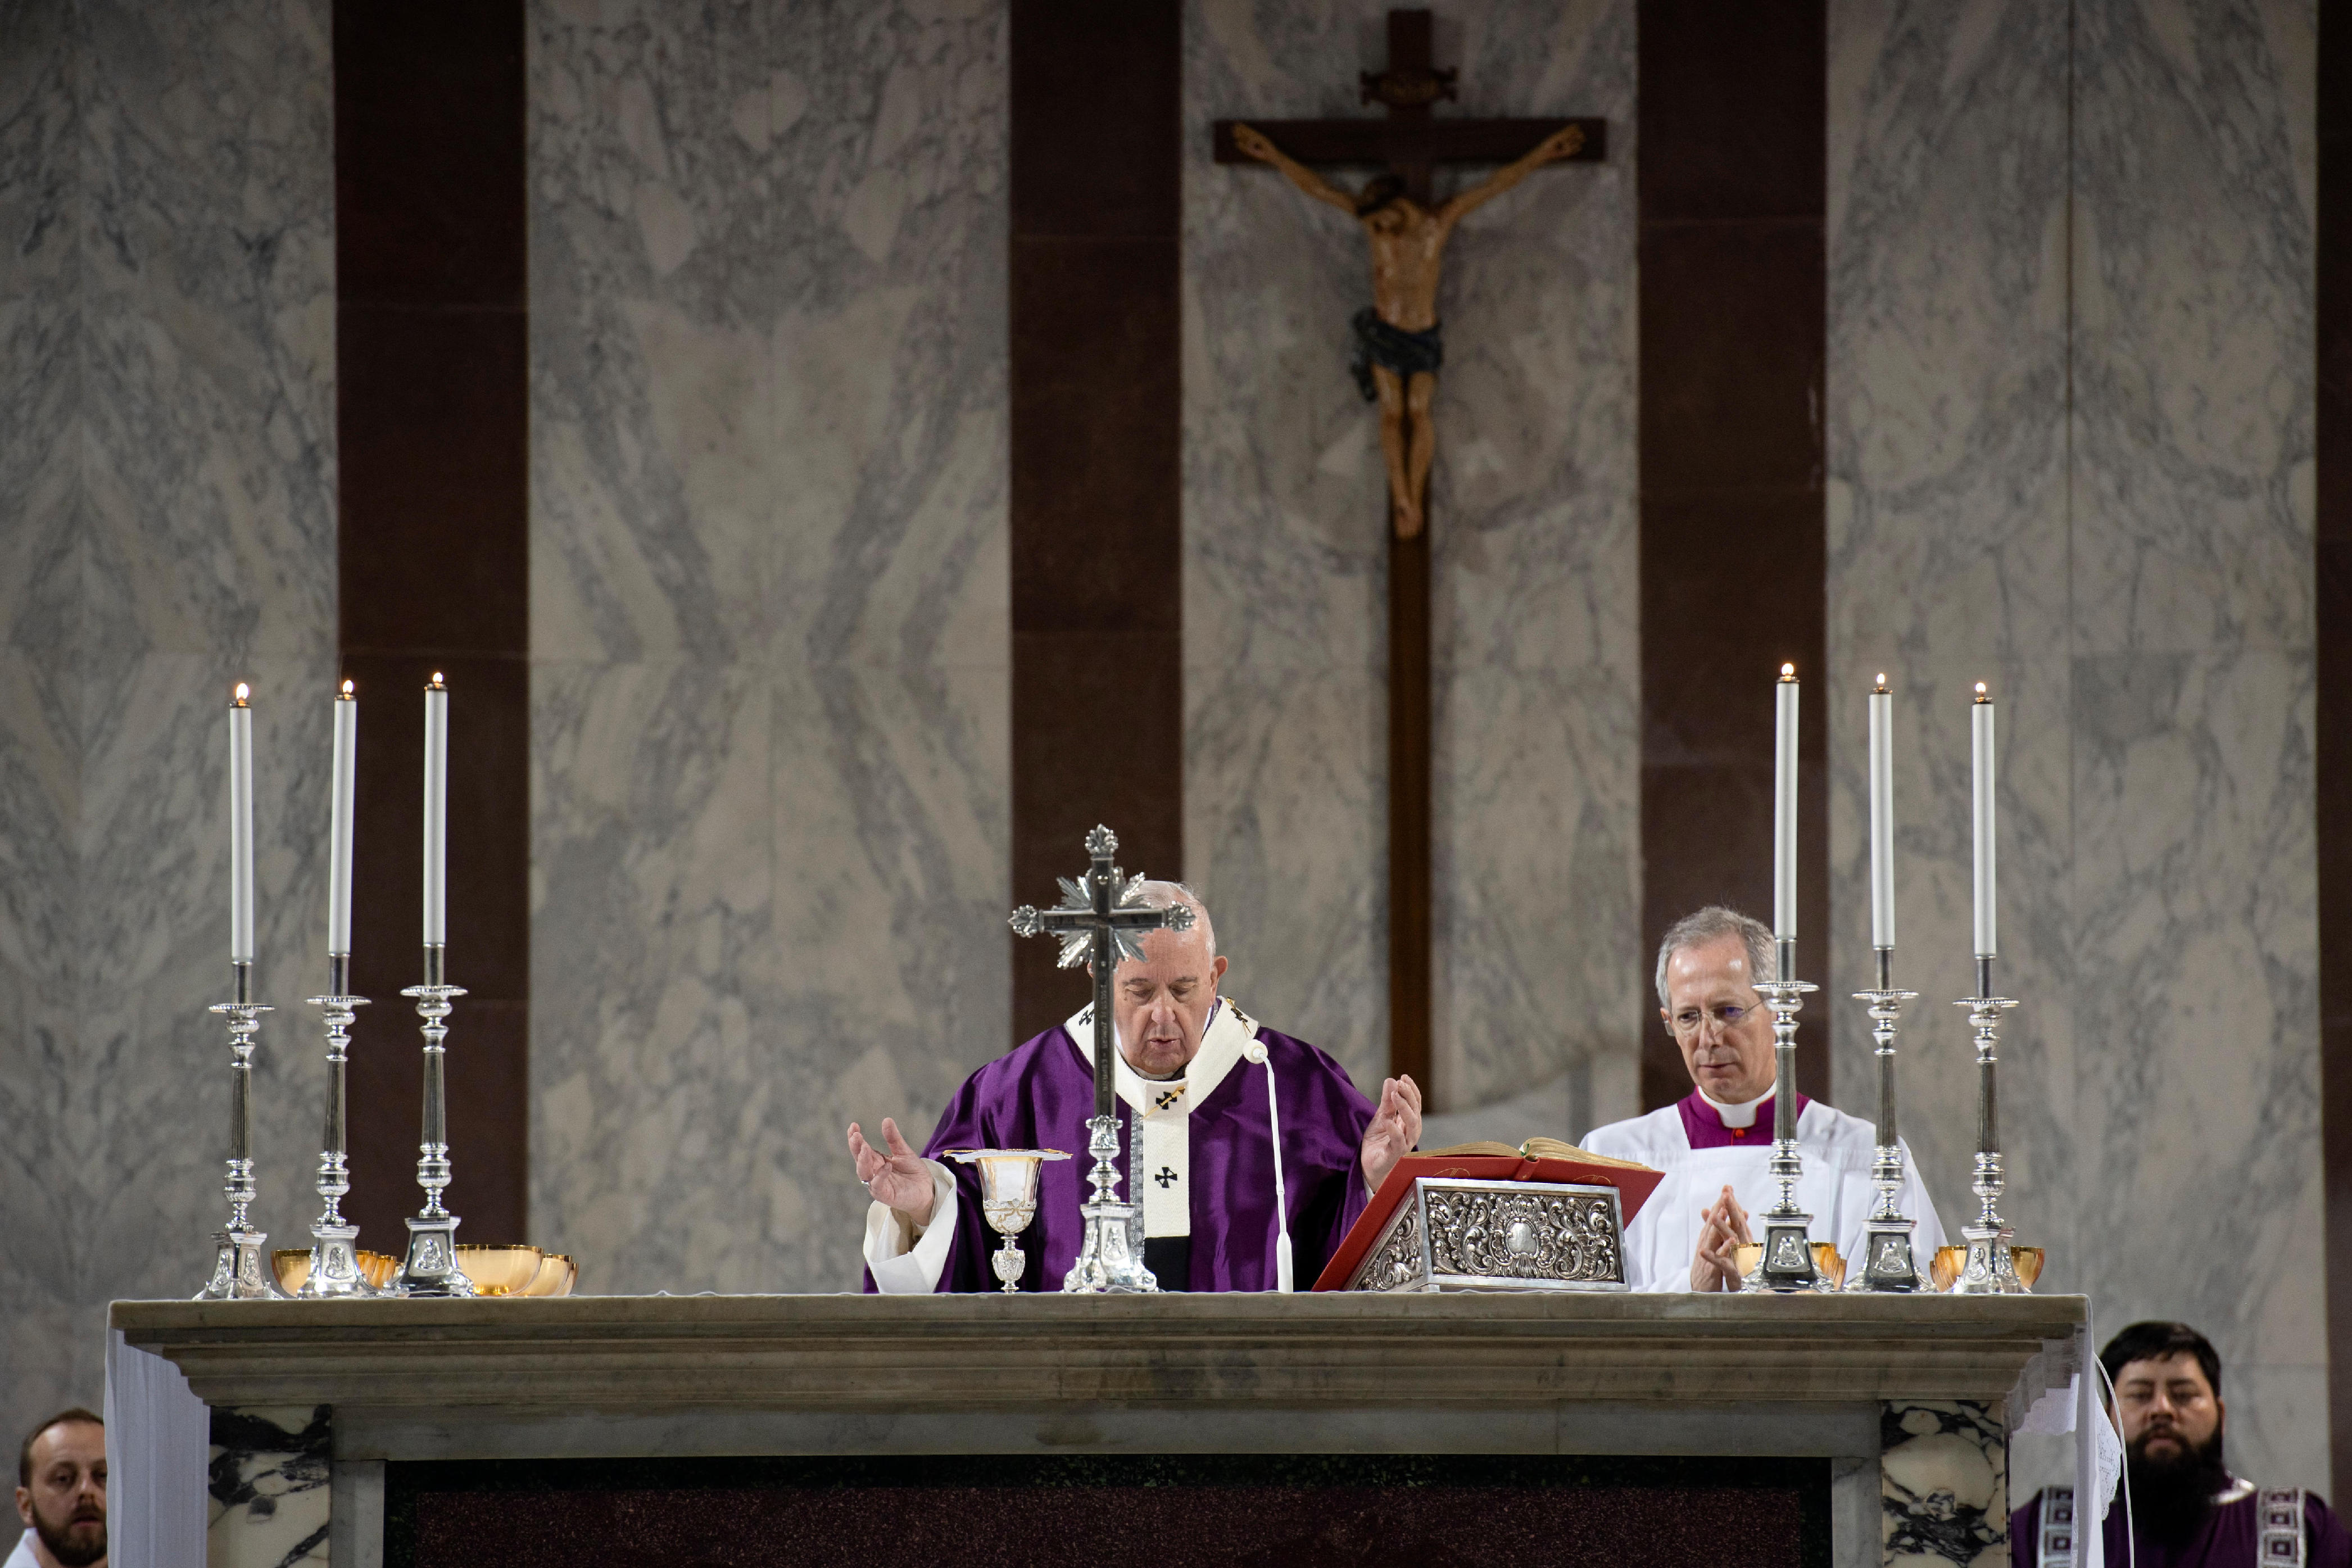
pixel 1705 1128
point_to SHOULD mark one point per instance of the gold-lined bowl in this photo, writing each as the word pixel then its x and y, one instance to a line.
pixel 293 1267
pixel 556 1276
pixel 1827 1261
pixel 1944 1268
pixel 499 1271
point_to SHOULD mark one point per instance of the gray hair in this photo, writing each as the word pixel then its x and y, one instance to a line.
pixel 1162 895
pixel 1714 923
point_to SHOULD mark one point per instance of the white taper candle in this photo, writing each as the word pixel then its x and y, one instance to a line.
pixel 240 828
pixel 339 848
pixel 437 813
pixel 1784 807
pixel 1980 735
pixel 1882 816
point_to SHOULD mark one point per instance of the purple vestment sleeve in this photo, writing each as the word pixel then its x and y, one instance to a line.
pixel 1040 1094
pixel 2326 1543
pixel 2023 1525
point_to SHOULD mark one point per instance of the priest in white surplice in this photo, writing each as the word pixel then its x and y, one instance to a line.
pixel 1714 1143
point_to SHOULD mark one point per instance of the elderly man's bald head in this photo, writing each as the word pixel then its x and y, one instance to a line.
pixel 1160 895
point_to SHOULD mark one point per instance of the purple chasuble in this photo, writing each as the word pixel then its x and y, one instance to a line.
pixel 1704 1129
pixel 1040 1094
pixel 2229 1538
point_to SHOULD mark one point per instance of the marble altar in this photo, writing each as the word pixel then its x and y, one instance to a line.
pixel 1898 1403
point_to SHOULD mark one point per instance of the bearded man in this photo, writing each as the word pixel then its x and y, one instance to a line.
pixel 61 1494
pixel 1232 1137
pixel 2186 1509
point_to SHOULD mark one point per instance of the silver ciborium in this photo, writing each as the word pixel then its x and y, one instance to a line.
pixel 1008 1200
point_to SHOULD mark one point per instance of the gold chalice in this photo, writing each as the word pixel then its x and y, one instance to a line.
pixel 1827 1261
pixel 293 1267
pixel 1008 1198
pixel 1946 1266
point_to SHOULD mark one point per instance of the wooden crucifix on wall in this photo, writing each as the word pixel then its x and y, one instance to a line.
pixel 1398 352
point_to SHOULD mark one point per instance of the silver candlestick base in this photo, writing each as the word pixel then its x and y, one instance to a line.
pixel 334 1255
pixel 1890 1265
pixel 1989 1269
pixel 430 1267
pixel 1786 1267
pixel 1110 1261
pixel 240 1256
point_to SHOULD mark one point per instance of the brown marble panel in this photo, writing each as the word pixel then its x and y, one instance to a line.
pixel 434 485
pixel 2333 760
pixel 1733 335
pixel 433 507
pixel 429 152
pixel 1096 534
pixel 1735 120
pixel 1095 117
pixel 1097 679
pixel 1733 343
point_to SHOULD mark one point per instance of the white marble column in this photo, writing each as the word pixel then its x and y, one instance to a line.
pixel 2069 444
pixel 167 444
pixel 1537 911
pixel 770 621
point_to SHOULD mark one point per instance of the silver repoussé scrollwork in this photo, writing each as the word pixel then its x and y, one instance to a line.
pixel 1504 1235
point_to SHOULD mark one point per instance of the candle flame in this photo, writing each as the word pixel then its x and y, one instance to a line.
pixel 347 688
pixel 1881 681
pixel 1788 672
pixel 1982 696
pixel 242 692
pixel 437 681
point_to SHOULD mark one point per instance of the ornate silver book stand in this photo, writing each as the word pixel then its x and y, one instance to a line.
pixel 334 1255
pixel 1787 1265
pixel 430 1267
pixel 1457 1233
pixel 1889 1262
pixel 1101 920
pixel 240 1266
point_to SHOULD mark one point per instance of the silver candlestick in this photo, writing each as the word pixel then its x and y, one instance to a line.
pixel 334 1257
pixel 1888 1262
pixel 1787 1265
pixel 1101 920
pixel 431 1267
pixel 240 1266
pixel 1988 1270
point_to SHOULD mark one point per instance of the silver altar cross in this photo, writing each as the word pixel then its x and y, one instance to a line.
pixel 1101 920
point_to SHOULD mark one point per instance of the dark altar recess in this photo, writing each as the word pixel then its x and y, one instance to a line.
pixel 959 1431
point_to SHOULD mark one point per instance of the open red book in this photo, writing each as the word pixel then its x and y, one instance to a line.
pixel 1536 1160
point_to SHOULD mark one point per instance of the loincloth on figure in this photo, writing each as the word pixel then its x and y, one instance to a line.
pixel 1391 348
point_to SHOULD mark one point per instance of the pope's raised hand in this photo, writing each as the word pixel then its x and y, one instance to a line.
pixel 1395 1129
pixel 897 1178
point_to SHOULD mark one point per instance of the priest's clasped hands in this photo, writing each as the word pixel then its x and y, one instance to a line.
pixel 1723 1231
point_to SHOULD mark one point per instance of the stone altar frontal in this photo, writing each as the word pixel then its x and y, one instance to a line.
pixel 1856 1430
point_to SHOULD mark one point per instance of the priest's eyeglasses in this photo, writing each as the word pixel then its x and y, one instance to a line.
pixel 1690 1020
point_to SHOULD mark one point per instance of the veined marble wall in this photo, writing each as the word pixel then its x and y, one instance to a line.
pixel 770 616
pixel 167 461
pixel 2070 442
pixel 1286 619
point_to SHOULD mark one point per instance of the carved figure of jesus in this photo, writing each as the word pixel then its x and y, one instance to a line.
pixel 1398 348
